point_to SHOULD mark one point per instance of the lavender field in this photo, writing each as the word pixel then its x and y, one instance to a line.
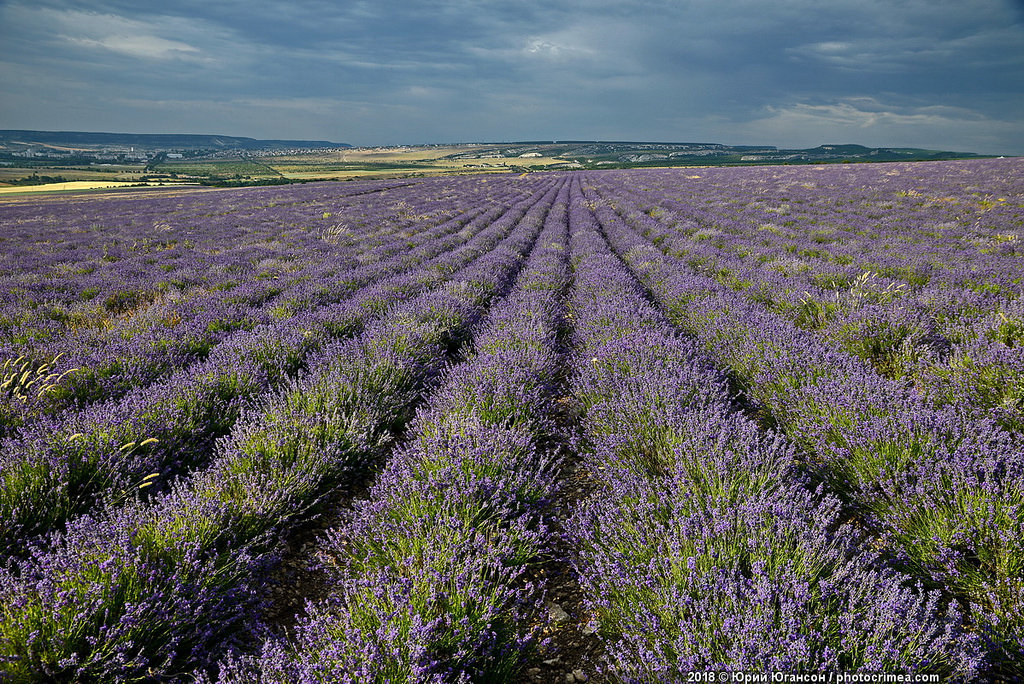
pixel 602 426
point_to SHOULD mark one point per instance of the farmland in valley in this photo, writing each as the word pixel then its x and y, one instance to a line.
pixel 598 425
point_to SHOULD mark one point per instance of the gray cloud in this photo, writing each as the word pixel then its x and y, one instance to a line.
pixel 791 72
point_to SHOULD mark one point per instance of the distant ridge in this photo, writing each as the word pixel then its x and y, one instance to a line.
pixel 584 154
pixel 155 140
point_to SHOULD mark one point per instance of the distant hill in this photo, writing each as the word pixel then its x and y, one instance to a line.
pixel 144 141
pixel 592 154
pixel 628 154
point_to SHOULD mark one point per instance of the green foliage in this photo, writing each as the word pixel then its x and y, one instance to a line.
pixel 123 301
pixel 809 313
pixel 1009 331
pixel 888 346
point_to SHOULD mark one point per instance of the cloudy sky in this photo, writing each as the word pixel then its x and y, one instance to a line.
pixel 943 74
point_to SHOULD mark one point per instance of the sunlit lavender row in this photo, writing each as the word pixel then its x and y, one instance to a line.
pixel 611 426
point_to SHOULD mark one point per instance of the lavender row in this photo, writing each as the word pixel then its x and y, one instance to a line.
pixel 242 257
pixel 429 583
pixel 118 351
pixel 175 335
pixel 160 590
pixel 57 469
pixel 91 238
pixel 975 374
pixel 972 365
pixel 756 258
pixel 953 224
pixel 702 547
pixel 955 345
pixel 943 492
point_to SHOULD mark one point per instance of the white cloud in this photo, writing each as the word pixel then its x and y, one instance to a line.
pixel 992 45
pixel 869 121
pixel 147 37
pixel 130 37
pixel 865 112
pixel 540 47
pixel 144 46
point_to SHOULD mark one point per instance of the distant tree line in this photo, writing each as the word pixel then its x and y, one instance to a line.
pixel 36 179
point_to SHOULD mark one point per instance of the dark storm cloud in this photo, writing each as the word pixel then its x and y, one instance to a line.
pixel 790 72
